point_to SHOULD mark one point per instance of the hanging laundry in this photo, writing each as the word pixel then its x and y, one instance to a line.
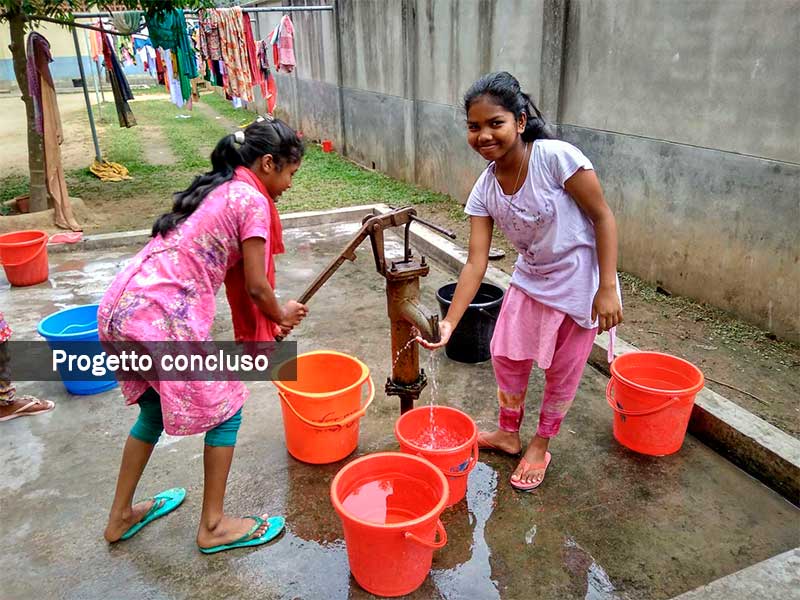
pixel 234 53
pixel 285 60
pixel 267 80
pixel 210 47
pixel 168 31
pixel 127 22
pixel 252 55
pixel 119 84
pixel 48 123
pixel 175 90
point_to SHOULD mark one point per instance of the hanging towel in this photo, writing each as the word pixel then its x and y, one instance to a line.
pixel 286 46
pixel 127 22
pixel 37 46
pixel 234 54
pixel 48 123
pixel 249 323
pixel 119 84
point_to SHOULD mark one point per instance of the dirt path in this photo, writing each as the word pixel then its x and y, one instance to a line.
pixel 76 151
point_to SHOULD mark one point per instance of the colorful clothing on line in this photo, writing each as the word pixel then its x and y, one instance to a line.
pixel 210 46
pixel 234 54
pixel 167 293
pixel 556 343
pixel 252 54
pixel 168 30
pixel 119 84
pixel 268 88
pixel 286 61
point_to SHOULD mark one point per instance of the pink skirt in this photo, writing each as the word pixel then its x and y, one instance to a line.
pixel 526 329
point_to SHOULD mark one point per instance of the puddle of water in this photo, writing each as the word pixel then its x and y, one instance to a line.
pixel 580 562
pixel 473 578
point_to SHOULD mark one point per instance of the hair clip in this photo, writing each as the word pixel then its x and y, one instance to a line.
pixel 238 136
pixel 268 118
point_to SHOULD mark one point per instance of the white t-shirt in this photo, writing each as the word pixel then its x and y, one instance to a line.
pixel 557 263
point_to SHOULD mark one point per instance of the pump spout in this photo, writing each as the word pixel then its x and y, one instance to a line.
pixel 417 315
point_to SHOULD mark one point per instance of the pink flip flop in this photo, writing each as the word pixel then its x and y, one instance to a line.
pixel 484 444
pixel 30 402
pixel 526 466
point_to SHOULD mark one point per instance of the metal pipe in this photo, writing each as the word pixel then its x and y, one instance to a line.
pixel 95 78
pixel 97 154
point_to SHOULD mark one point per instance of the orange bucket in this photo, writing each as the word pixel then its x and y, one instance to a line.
pixel 389 504
pixel 652 395
pixel 322 408
pixel 454 461
pixel 23 255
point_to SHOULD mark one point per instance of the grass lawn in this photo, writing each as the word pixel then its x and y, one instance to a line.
pixel 325 180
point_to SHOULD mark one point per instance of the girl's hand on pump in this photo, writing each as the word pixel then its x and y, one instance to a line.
pixel 445 331
pixel 292 313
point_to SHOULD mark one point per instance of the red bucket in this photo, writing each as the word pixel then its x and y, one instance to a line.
pixel 652 395
pixel 327 146
pixel 390 504
pixel 23 255
pixel 455 461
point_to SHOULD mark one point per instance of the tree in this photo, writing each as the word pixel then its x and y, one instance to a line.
pixel 19 14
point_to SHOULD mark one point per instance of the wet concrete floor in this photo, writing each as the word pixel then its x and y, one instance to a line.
pixel 607 523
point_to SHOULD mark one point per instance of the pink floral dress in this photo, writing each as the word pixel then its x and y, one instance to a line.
pixel 5 330
pixel 167 293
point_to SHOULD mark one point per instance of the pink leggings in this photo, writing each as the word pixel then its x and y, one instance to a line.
pixel 573 345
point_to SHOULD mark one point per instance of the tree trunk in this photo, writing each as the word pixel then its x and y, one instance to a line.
pixel 38 183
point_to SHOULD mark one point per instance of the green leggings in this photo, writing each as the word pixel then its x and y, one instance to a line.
pixel 150 424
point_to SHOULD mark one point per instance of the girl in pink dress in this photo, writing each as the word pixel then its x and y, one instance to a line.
pixel 224 224
pixel 544 196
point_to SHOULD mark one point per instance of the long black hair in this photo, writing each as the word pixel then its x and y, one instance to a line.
pixel 504 89
pixel 242 148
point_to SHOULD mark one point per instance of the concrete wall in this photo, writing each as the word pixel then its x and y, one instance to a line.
pixel 688 110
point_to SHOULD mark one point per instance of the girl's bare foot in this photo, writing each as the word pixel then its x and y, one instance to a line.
pixel 504 441
pixel 534 455
pixel 228 530
pixel 120 523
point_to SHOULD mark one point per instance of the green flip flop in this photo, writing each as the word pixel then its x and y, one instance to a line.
pixel 163 503
pixel 275 526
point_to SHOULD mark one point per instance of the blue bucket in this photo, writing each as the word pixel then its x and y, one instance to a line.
pixel 71 325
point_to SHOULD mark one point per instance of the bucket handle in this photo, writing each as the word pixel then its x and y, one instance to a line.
pixel 435 545
pixel 472 460
pixel 341 422
pixel 635 413
pixel 486 313
pixel 26 261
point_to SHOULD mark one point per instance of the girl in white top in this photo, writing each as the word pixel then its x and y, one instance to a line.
pixel 544 196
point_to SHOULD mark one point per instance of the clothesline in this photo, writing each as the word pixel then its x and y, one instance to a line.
pixel 254 9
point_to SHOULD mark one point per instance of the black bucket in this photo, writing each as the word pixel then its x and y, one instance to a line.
pixel 470 340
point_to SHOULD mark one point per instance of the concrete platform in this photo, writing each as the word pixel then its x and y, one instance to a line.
pixel 606 524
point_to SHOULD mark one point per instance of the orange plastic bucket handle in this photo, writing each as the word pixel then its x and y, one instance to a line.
pixel 635 413
pixel 27 260
pixel 472 460
pixel 332 424
pixel 435 545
